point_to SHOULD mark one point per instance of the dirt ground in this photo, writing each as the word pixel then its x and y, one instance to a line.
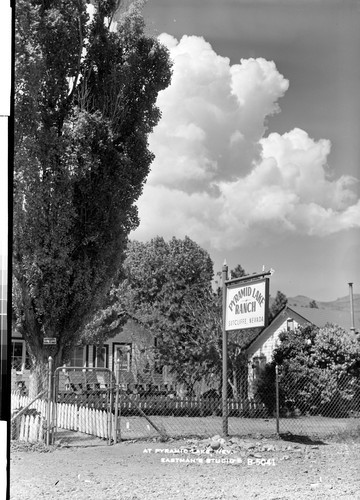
pixel 238 468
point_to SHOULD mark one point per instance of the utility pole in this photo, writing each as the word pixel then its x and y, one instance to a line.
pixel 352 327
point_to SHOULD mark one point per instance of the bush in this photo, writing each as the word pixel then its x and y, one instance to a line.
pixel 319 373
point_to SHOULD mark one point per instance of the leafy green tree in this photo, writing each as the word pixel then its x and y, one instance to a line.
pixel 237 341
pixel 167 287
pixel 265 388
pixel 85 102
pixel 237 272
pixel 313 304
pixel 319 369
pixel 279 303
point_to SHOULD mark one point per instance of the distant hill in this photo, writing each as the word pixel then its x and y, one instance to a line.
pixel 340 304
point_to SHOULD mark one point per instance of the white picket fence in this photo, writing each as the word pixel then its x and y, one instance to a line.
pixel 82 419
pixel 28 428
pixel 18 401
pixel 70 417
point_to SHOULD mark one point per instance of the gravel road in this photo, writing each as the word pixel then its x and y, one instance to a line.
pixel 237 468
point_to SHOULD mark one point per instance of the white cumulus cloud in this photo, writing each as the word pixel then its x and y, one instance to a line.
pixel 216 177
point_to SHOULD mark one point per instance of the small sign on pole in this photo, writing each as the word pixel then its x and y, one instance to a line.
pixel 49 341
pixel 247 304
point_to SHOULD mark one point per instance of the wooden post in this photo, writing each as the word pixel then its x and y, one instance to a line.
pixel 117 428
pixel 110 407
pixel 277 399
pixel 49 423
pixel 224 354
pixel 54 392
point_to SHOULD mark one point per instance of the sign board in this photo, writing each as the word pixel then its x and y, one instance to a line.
pixel 247 305
pixel 49 341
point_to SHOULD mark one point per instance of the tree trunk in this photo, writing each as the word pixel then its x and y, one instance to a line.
pixel 39 376
pixel 244 383
pixel 236 383
pixel 233 382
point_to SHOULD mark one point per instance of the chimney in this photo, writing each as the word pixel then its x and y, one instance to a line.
pixel 352 328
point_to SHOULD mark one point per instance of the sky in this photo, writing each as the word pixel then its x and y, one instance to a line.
pixel 257 151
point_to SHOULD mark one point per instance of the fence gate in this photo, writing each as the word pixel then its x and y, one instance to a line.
pixel 83 401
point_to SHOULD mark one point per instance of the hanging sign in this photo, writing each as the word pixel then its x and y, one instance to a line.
pixel 247 305
pixel 49 341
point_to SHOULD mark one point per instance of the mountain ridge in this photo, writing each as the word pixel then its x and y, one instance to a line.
pixel 340 304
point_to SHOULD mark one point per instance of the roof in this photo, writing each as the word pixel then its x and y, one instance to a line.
pixel 320 317
pixel 302 315
pixel 276 323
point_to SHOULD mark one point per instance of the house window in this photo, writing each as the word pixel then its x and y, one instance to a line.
pixel 101 356
pixel 290 325
pixel 18 355
pixel 77 357
pixel 122 353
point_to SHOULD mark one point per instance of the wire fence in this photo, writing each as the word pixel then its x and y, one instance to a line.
pixel 321 402
pixel 275 401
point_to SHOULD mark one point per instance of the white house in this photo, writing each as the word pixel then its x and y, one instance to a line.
pixel 260 351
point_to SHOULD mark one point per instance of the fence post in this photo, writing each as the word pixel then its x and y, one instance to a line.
pixel 49 402
pixel 111 404
pixel 277 399
pixel 117 409
pixel 55 389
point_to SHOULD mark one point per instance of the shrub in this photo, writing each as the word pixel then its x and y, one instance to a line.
pixel 319 373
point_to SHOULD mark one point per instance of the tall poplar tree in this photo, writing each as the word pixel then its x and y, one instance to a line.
pixel 85 102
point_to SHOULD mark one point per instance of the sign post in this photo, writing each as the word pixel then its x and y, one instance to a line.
pixel 224 354
pixel 245 305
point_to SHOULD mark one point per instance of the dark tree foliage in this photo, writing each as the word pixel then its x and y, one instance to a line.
pixel 319 371
pixel 265 388
pixel 279 303
pixel 84 106
pixel 167 287
pixel 237 272
pixel 313 304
